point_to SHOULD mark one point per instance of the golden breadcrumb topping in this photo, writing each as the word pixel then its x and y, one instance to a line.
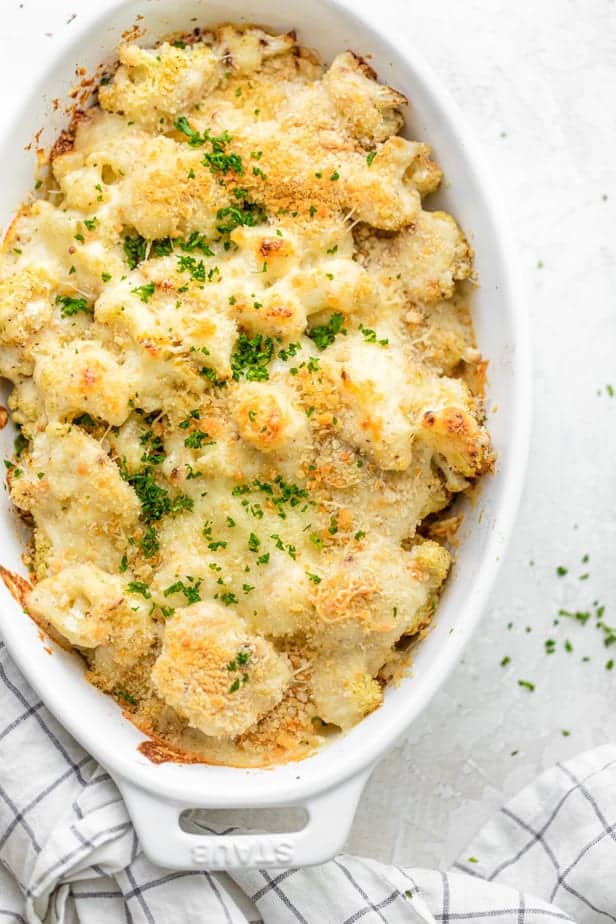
pixel 245 381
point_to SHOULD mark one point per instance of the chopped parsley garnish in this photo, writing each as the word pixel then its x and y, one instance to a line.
pixel 217 159
pixel 180 503
pixel 155 501
pixel 162 248
pixel 148 543
pixel 90 223
pixel 335 176
pixel 242 658
pixel 251 357
pixel 20 443
pixel 228 598
pixel 254 543
pixel 197 439
pixel 10 466
pixel 124 564
pixel 325 334
pixel 126 696
pixel 155 452
pixel 313 577
pixel 233 216
pixel 370 158
pixel 190 589
pixel 210 374
pixel 135 250
pixel 72 306
pixel 145 292
pixel 561 571
pixel 196 241
pixel 288 548
pixel 371 337
pixel 138 587
pixel 281 492
pixel 195 138
pixel 191 266
pixel 84 420
pixel 289 351
pixel 505 661
pixel 527 685
pixel 195 414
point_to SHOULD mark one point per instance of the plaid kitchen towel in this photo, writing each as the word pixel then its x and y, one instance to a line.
pixel 69 853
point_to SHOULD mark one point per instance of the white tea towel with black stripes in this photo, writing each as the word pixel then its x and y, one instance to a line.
pixel 69 853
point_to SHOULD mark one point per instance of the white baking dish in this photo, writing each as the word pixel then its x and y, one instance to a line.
pixel 328 784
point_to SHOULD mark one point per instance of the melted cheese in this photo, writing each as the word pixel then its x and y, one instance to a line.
pixel 243 365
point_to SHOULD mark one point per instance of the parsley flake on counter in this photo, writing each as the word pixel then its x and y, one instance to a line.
pixel 527 685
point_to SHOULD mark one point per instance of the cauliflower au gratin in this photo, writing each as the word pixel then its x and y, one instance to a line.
pixel 245 381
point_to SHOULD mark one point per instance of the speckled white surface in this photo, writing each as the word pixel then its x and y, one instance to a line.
pixel 537 83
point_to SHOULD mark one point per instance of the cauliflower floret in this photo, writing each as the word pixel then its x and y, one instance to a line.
pixel 147 306
pixel 83 376
pixel 343 692
pixel 371 382
pixel 335 284
pixel 160 83
pixel 214 673
pixel 383 193
pixel 455 434
pixel 82 509
pixel 90 608
pixel 25 310
pixel 431 255
pixel 364 605
pixel 368 110
pixel 244 51
pixel 268 419
pixel 171 194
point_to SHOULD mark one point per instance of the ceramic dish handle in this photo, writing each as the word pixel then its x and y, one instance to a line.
pixel 157 823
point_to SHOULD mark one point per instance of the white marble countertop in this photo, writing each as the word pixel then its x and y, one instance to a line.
pixel 537 83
